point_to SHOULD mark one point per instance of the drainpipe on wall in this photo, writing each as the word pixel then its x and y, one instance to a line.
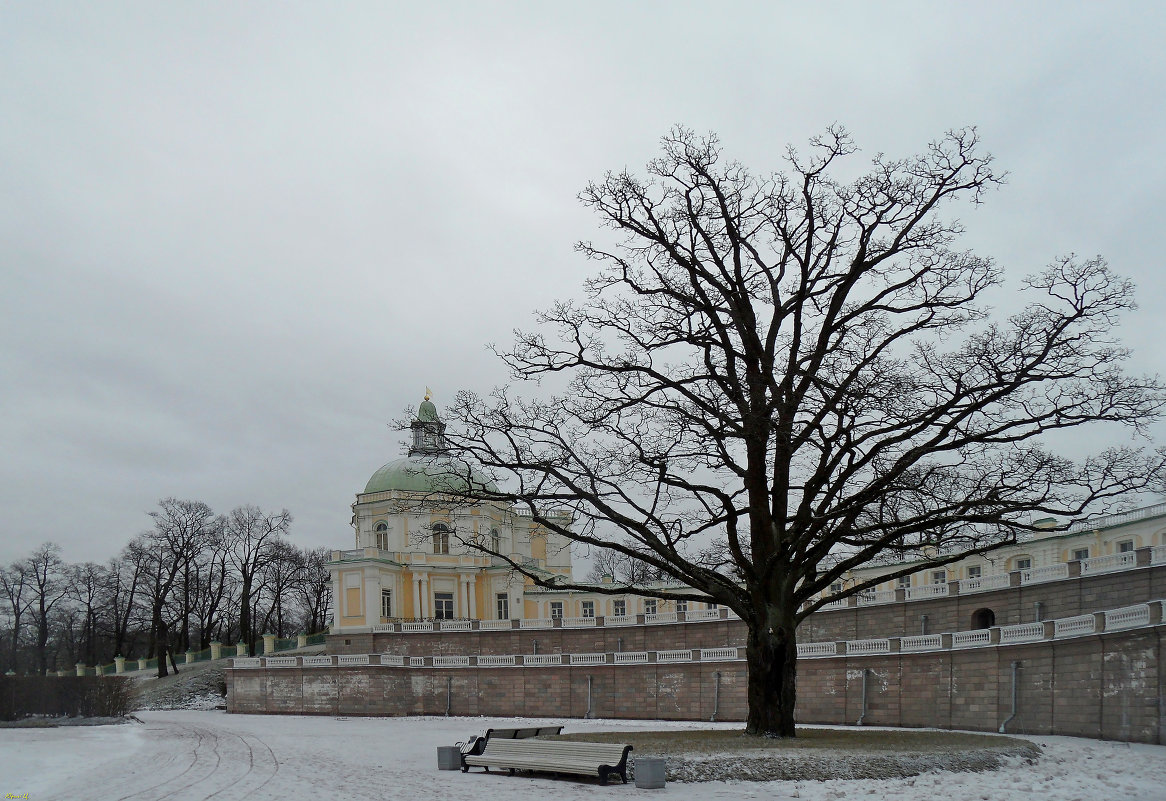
pixel 448 695
pixel 534 644
pixel 923 624
pixel 619 645
pixel 1037 608
pixel 589 714
pixel 1015 673
pixel 865 673
pixel 716 696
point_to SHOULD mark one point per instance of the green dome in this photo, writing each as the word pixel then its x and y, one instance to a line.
pixel 427 475
pixel 427 412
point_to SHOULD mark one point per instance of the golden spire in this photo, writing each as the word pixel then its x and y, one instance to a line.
pixel 428 392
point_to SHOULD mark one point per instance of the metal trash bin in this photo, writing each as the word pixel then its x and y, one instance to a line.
pixel 649 773
pixel 449 757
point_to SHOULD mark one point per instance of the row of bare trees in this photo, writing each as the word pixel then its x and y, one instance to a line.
pixel 192 578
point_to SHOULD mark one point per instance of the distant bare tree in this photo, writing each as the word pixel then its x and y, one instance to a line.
pixel 314 589
pixel 181 531
pixel 14 584
pixel 250 537
pixel 48 583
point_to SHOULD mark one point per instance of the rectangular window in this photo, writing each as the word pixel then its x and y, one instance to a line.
pixel 443 605
pixel 556 610
pixel 619 608
pixel 1024 563
pixel 939 577
pixel 836 588
pixel 386 603
pixel 682 606
pixel 650 606
pixel 975 571
pixel 712 605
pixel 904 582
pixel 589 609
pixel 503 606
pixel 1125 546
pixel 1079 554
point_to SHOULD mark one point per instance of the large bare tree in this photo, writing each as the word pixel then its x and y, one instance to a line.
pixel 775 379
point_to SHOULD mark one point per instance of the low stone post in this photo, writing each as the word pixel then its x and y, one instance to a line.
pixel 62 673
pixel 216 650
pixel 189 657
pixel 268 644
pixel 301 641
pixel 80 669
pixel 241 649
pixel 119 665
pixel 142 663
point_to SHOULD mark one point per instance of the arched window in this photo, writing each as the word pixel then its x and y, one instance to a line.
pixel 983 619
pixel 382 532
pixel 495 541
pixel 440 538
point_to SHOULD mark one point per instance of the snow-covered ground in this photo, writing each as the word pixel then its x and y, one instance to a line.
pixel 181 755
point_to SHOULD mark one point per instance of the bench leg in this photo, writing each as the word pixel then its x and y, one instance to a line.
pixel 602 776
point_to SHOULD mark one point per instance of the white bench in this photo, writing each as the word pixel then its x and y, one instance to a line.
pixel 553 756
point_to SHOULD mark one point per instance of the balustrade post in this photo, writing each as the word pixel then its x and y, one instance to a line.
pixel 268 644
pixel 119 663
pixel 216 650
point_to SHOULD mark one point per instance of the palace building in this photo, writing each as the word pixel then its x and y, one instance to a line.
pixel 414 558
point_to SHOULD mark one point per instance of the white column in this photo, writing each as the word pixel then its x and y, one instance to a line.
pixel 472 591
pixel 463 604
pixel 426 600
pixel 417 596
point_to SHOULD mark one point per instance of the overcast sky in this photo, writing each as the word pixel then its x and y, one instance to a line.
pixel 239 238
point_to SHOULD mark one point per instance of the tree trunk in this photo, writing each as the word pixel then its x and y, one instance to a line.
pixel 771 653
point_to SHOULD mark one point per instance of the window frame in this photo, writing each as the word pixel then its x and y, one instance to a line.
pixel 441 539
pixel 443 601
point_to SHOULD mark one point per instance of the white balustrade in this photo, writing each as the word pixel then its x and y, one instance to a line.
pixel 717 654
pixel 659 618
pixel 495 625
pixel 383 628
pixel 1127 617
pixel 674 656
pixel 588 659
pixel 868 647
pixel 971 639
pixel 619 620
pixel 542 659
pixel 317 661
pixel 630 657
pixel 1158 554
pixel 536 623
pixel 416 661
pixel 921 642
pixel 496 661
pixel 875 597
pixel 926 591
pixel 1073 626
pixel 396 660
pixel 817 649
pixel 1036 575
pixel 417 626
pixel 451 661
pixel 1108 564
pixel 998 581
pixel 731 614
pixel 577 622
pixel 352 659
pixel 457 625
pixel 246 662
pixel 1022 632
pixel 698 615
pixel 282 662
pixel 839 604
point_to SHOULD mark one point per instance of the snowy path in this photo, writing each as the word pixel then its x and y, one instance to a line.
pixel 192 756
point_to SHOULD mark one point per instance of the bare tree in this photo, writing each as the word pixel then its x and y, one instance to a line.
pixel 14 583
pixel 48 583
pixel 314 589
pixel 776 379
pixel 250 536
pixel 124 578
pixel 621 567
pixel 85 584
pixel 181 531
